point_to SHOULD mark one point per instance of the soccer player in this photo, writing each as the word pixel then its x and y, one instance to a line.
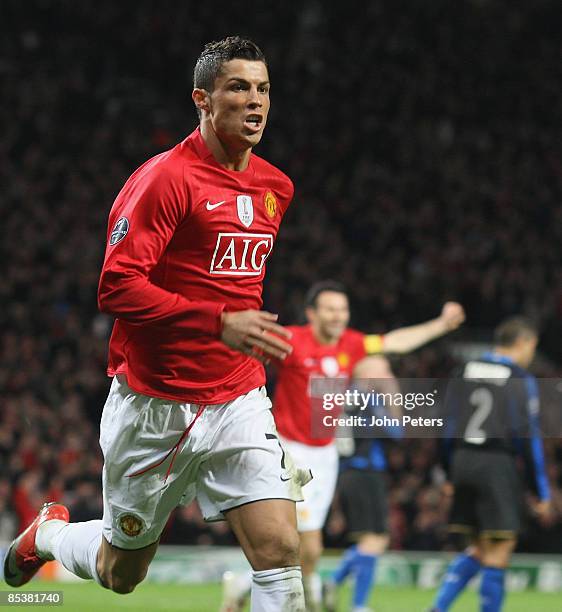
pixel 326 347
pixel 362 491
pixel 187 415
pixel 495 407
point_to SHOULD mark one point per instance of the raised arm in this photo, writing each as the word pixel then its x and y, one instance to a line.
pixel 409 338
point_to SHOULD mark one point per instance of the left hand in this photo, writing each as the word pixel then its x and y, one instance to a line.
pixel 452 315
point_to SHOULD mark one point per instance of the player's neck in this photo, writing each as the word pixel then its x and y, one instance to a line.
pixel 323 338
pixel 506 352
pixel 237 160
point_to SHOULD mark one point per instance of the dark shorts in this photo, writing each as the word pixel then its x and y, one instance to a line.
pixel 363 499
pixel 488 496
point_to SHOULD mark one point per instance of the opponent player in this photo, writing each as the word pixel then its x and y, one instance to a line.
pixel 362 491
pixel 326 347
pixel 187 414
pixel 496 405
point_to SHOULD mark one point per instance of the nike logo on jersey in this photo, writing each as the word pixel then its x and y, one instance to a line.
pixel 213 206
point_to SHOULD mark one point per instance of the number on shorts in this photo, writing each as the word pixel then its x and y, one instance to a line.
pixel 483 400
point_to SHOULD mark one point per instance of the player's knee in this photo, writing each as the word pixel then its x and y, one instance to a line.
pixel 311 552
pixel 122 581
pixel 280 549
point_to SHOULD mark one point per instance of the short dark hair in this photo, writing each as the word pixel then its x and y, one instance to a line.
pixel 215 54
pixel 311 297
pixel 509 331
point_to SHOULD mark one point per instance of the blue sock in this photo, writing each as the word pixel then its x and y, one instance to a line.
pixel 492 589
pixel 364 570
pixel 460 571
pixel 345 566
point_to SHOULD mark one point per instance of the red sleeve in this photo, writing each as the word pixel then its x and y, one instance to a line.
pixel 153 203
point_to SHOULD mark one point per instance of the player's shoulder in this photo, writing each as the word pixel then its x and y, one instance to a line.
pixel 353 335
pixel 276 178
pixel 163 168
pixel 299 332
pixel 488 367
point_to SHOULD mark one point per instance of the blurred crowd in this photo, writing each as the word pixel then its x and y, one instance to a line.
pixel 424 143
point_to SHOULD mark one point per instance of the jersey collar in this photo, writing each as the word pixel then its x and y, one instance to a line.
pixel 203 152
pixel 496 358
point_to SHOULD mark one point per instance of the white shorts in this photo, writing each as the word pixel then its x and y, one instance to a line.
pixel 319 493
pixel 231 456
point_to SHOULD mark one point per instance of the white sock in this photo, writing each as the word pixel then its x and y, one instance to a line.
pixel 312 591
pixel 278 589
pixel 75 545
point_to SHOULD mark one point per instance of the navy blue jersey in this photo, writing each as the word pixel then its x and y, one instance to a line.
pixel 369 453
pixel 494 405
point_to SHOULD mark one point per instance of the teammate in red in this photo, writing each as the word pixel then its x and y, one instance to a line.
pixel 327 348
pixel 187 415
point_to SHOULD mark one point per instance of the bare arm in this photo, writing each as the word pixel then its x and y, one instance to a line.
pixel 410 338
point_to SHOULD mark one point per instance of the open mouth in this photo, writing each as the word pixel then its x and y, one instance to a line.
pixel 254 122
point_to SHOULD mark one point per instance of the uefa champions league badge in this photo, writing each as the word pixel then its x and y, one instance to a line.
pixel 120 230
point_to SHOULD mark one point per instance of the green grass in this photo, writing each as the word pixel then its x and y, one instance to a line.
pixel 151 597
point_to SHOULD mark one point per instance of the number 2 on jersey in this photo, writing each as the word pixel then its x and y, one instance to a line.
pixel 483 400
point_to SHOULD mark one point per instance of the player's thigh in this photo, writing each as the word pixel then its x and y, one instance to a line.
pixel 499 504
pixel 463 516
pixel 123 568
pixel 267 532
pixel 246 461
pixel 363 501
pixel 138 495
pixel 319 492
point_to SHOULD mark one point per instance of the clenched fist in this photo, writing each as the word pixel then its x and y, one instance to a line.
pixel 452 315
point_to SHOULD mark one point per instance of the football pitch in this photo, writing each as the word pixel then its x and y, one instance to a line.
pixel 150 597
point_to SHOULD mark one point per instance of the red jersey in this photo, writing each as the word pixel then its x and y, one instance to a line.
pixel 292 405
pixel 187 239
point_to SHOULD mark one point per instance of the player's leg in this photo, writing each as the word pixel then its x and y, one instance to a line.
pixel 500 517
pixel 459 573
pixel 267 532
pixel 250 480
pixel 135 431
pixel 463 520
pixel 311 548
pixel 496 554
pixel 364 504
pixel 369 547
pixel 313 510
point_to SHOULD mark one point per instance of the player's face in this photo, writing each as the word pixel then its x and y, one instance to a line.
pixel 527 349
pixel 331 315
pixel 239 103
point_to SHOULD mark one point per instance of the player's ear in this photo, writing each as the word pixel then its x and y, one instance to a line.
pixel 200 98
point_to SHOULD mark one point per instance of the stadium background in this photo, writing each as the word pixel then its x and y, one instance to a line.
pixel 424 142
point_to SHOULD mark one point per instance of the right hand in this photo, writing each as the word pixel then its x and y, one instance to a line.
pixel 255 333
pixel 542 510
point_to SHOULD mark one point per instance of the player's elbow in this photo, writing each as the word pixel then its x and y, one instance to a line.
pixel 112 291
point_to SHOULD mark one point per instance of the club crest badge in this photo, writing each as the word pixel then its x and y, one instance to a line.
pixel 330 366
pixel 245 209
pixel 343 360
pixel 270 204
pixel 130 525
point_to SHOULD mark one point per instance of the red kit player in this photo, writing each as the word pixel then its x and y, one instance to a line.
pixel 327 348
pixel 187 415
